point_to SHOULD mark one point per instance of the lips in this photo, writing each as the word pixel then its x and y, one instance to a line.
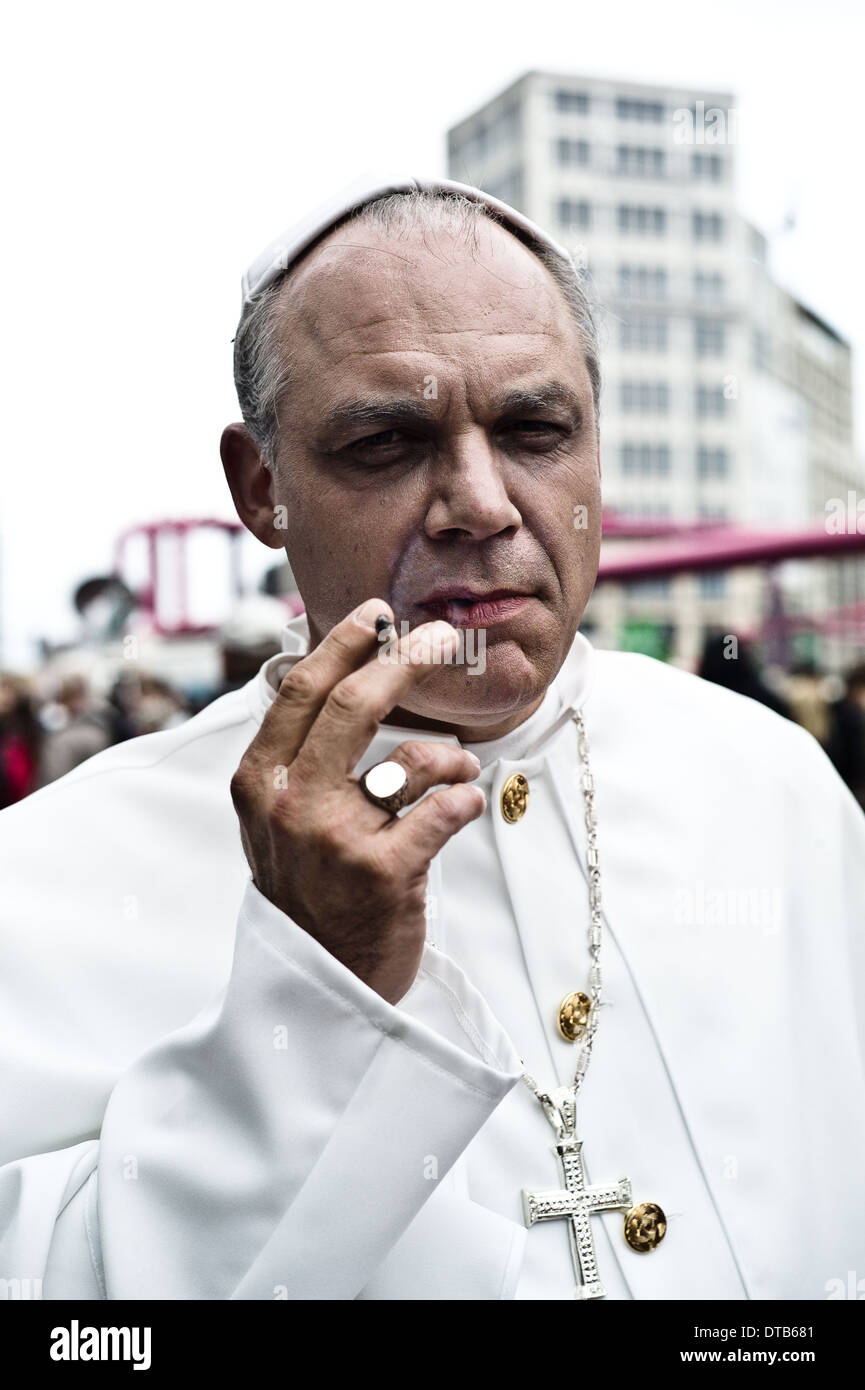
pixel 464 607
pixel 463 594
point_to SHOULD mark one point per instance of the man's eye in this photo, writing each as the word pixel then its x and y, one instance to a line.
pixel 381 440
pixel 538 430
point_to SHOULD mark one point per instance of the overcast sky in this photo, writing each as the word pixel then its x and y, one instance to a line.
pixel 152 150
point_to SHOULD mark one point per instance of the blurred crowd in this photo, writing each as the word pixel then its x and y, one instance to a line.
pixel 44 736
pixel 56 719
pixel 41 739
pixel 831 708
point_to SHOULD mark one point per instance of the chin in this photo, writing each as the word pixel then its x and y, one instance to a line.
pixel 488 686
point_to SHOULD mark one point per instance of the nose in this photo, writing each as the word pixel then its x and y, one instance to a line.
pixel 469 495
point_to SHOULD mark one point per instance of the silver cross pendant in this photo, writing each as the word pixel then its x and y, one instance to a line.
pixel 574 1201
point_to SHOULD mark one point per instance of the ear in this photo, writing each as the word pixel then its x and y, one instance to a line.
pixel 251 484
pixel 599 458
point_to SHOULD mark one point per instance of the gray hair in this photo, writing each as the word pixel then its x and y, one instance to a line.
pixel 262 365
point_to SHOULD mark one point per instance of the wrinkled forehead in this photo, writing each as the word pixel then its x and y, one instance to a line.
pixel 366 290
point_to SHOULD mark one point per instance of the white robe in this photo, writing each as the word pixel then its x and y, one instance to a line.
pixel 198 1101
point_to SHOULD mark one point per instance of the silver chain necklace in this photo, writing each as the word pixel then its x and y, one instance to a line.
pixel 645 1225
pixel 587 782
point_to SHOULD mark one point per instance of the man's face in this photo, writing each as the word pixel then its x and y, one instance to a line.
pixel 438 442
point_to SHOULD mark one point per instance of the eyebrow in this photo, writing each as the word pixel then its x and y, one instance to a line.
pixel 405 410
pixel 542 397
pixel 367 411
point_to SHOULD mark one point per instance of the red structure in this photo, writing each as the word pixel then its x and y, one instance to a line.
pixel 675 548
pixel 148 596
pixel 671 548
pixel 712 547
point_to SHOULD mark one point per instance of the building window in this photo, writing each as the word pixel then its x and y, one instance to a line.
pixel 709 512
pixel 762 350
pixel 571 152
pixel 633 218
pixel 628 109
pixel 478 144
pixel 644 333
pixel 709 337
pixel 643 511
pixel 712 463
pixel 708 284
pixel 710 401
pixel 564 100
pixel 508 189
pixel 640 162
pixel 510 122
pixel 647 397
pixel 707 226
pixel 713 584
pixel 707 166
pixel 646 460
pixel 643 282
pixel 649 588
pixel 574 213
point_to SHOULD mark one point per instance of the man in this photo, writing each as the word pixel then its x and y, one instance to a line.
pixel 288 1063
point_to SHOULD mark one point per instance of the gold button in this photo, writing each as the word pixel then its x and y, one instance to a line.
pixel 645 1226
pixel 515 797
pixel 573 1015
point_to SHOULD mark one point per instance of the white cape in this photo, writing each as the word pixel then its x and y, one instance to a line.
pixel 198 1101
